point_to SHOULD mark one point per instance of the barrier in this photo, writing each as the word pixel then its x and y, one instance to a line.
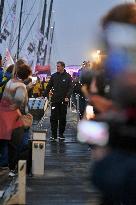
pixel 16 191
pixel 37 107
pixel 38 152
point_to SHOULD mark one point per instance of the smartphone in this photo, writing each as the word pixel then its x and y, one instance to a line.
pixel 93 132
pixel 89 112
pixel 34 79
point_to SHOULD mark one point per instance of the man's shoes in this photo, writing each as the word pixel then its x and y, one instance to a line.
pixel 61 138
pixel 12 173
pixel 53 139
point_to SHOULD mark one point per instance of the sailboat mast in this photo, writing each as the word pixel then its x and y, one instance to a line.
pixel 22 44
pixel 42 30
pixel 12 25
pixel 44 17
pixel 48 29
pixel 50 50
pixel 20 21
pixel 1 11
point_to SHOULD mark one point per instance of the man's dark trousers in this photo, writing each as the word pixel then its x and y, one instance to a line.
pixel 58 116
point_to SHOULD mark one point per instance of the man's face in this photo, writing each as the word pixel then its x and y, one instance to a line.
pixel 60 68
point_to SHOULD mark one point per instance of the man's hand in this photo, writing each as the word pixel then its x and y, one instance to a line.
pixel 29 86
pixel 101 103
pixel 50 93
pixel 66 100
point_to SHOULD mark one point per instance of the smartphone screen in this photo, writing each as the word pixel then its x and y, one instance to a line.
pixel 93 132
pixel 34 79
pixel 89 112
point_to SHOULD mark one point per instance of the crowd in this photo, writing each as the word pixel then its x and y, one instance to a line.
pixel 17 86
pixel 15 120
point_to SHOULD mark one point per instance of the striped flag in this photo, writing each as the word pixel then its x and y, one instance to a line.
pixel 8 60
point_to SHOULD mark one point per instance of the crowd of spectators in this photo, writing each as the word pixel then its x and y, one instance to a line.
pixel 15 120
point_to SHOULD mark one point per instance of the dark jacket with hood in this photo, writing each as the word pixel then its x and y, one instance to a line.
pixel 60 85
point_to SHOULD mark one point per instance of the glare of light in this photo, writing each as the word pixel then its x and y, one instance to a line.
pixel 96 56
pixel 98 52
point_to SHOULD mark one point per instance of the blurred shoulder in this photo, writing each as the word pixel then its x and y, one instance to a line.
pixel 54 75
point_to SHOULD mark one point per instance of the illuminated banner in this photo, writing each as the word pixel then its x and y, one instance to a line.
pixel 72 69
pixel 42 69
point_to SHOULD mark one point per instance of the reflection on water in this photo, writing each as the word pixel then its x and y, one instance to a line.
pixel 56 148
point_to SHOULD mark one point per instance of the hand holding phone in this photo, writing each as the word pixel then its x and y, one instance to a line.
pixel 89 112
pixel 93 132
pixel 34 79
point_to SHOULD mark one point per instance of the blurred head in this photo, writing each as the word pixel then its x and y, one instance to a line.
pixel 124 89
pixel 20 62
pixel 60 66
pixel 119 29
pixel 74 76
pixel 117 24
pixel 93 82
pixel 123 13
pixel 23 72
pixel 10 68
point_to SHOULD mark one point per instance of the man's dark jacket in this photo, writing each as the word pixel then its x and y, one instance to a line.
pixel 61 86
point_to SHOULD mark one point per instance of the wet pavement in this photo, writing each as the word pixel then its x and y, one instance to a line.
pixel 67 164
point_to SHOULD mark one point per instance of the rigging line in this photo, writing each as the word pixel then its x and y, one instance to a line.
pixel 55 44
pixel 51 42
pixel 42 29
pixel 55 54
pixel 7 16
pixel 19 32
pixel 16 28
pixel 4 10
pixel 2 4
pixel 23 24
pixel 8 4
pixel 28 33
pixel 32 34
pixel 54 57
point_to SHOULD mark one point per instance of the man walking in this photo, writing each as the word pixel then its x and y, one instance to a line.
pixel 60 89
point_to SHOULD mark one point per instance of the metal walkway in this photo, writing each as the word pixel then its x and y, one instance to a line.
pixel 65 181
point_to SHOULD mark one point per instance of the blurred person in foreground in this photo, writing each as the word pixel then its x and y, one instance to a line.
pixel 114 172
pixel 60 90
pixel 78 89
pixel 28 81
pixel 14 116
